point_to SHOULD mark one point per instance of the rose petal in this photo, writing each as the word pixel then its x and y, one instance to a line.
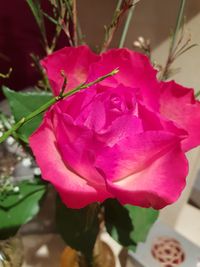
pixel 177 103
pixel 157 185
pixel 74 61
pixel 75 191
pixel 102 105
pixel 135 71
pixel 152 121
pixel 77 145
pixel 134 153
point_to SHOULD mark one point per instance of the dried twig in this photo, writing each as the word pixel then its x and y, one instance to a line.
pixel 127 23
pixel 183 45
pixel 120 11
pixel 179 45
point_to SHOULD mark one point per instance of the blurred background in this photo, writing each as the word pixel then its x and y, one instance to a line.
pixel 152 19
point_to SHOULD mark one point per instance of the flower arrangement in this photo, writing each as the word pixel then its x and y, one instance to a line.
pixel 107 131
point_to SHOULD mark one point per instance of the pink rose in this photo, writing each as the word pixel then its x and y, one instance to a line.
pixel 123 138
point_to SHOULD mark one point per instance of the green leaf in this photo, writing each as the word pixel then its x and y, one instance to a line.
pixel 78 227
pixel 37 12
pixel 22 104
pixel 142 219
pixel 118 222
pixel 128 224
pixel 17 209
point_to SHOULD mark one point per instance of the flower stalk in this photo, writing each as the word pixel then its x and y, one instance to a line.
pixel 178 23
pixel 174 47
pixel 127 24
pixel 52 101
pixel 122 7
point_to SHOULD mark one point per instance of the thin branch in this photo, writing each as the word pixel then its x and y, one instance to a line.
pixel 120 11
pixel 178 23
pixel 7 75
pixel 174 43
pixel 74 11
pixel 197 94
pixel 52 101
pixel 127 24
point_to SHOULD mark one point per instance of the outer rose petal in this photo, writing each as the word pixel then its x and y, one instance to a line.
pixel 153 121
pixel 158 185
pixel 135 71
pixel 77 146
pixel 75 61
pixel 134 153
pixel 178 104
pixel 74 190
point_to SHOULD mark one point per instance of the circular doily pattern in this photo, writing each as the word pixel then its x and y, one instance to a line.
pixel 168 252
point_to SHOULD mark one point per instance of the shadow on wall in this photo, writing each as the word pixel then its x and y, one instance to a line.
pixel 152 19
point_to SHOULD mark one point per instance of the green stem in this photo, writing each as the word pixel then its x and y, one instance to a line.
pixel 197 94
pixel 178 23
pixel 52 101
pixel 170 59
pixel 126 26
pixel 111 29
pixel 79 31
pixel 119 4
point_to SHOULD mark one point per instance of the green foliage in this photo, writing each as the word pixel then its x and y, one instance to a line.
pixel 142 219
pixel 22 104
pixel 38 14
pixel 78 227
pixel 17 208
pixel 118 222
pixel 128 224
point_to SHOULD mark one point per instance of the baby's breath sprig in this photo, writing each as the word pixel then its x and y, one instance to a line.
pixel 143 45
pixel 180 43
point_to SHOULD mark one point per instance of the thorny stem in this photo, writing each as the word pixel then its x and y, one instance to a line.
pixel 120 10
pixel 52 101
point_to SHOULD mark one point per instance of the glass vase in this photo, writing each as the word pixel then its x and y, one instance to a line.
pixel 11 252
pixel 103 256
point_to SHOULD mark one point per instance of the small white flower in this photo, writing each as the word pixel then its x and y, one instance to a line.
pixel 141 39
pixel 137 44
pixel 26 162
pixel 16 189
pixel 10 141
pixel 37 171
